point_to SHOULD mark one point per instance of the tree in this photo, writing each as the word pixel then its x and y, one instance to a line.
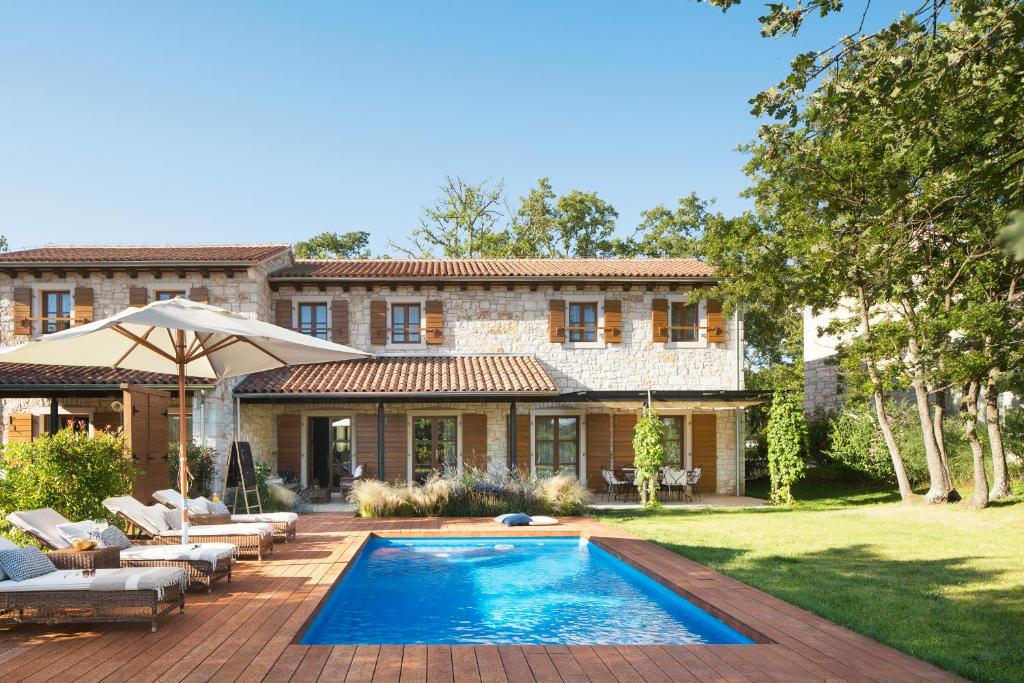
pixel 334 245
pixel 534 224
pixel 3 243
pixel 584 226
pixel 675 233
pixel 648 455
pixel 463 223
pixel 787 437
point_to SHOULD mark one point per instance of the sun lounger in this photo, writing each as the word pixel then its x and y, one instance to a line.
pixel 204 562
pixel 103 595
pixel 284 523
pixel 253 540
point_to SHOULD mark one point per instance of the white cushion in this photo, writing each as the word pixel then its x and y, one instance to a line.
pixel 42 523
pixel 135 512
pixel 266 517
pixel 209 552
pixel 75 530
pixel 199 505
pixel 543 521
pixel 168 497
pixel 62 579
pixel 224 530
pixel 155 515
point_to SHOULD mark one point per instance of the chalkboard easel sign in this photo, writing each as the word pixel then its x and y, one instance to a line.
pixel 242 477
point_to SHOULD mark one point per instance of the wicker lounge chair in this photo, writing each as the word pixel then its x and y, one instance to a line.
pixel 104 595
pixel 284 523
pixel 253 540
pixel 205 563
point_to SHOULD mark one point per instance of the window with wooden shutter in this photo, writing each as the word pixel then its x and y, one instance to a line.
pixel 716 321
pixel 22 310
pixel 474 441
pixel 378 321
pixel 19 429
pixel 556 321
pixel 289 443
pixel 83 305
pixel 659 320
pixel 613 321
pixel 283 313
pixel 199 294
pixel 138 296
pixel 339 321
pixel 435 321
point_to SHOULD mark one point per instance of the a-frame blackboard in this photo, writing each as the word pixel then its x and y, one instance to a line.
pixel 242 477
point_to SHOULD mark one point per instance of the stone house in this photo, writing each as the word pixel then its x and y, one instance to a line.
pixel 541 365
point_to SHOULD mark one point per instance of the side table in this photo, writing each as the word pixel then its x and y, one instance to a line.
pixel 97 558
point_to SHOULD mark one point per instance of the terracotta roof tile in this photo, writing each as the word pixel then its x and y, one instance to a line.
pixel 145 254
pixel 492 268
pixel 407 374
pixel 12 374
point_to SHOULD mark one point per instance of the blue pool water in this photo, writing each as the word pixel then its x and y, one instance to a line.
pixel 507 591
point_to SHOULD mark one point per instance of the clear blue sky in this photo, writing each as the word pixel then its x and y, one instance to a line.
pixel 200 122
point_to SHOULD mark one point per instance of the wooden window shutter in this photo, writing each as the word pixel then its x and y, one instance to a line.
pixel 339 321
pixel 83 305
pixel 556 321
pixel 283 313
pixel 474 441
pixel 659 320
pixel 378 321
pixel 716 321
pixel 289 444
pixel 22 310
pixel 613 321
pixel 19 430
pixel 199 294
pixel 435 321
pixel 138 296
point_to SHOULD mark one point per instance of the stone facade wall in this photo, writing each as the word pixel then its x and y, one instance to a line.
pixel 500 321
pixel 821 387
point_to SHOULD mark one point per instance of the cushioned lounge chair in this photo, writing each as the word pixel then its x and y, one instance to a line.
pixel 253 540
pixel 204 562
pixel 71 596
pixel 284 523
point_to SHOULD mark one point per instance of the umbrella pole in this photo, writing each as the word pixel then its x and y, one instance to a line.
pixel 182 435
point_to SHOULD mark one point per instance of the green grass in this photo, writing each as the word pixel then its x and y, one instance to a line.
pixel 945 584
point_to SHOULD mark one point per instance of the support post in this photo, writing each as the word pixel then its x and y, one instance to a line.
pixel 512 436
pixel 54 416
pixel 380 440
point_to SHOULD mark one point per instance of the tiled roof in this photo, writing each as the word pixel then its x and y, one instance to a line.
pixel 407 374
pixel 145 254
pixel 497 268
pixel 27 374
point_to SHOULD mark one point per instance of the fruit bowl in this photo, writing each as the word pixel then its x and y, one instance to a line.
pixel 80 544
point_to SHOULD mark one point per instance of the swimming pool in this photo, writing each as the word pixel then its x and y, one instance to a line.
pixel 504 591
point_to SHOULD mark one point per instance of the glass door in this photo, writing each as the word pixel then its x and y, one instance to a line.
pixel 341 450
pixel 434 445
pixel 558 445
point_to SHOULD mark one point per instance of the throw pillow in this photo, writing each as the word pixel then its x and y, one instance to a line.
pixel 199 505
pixel 218 508
pixel 173 519
pixel 112 537
pixel 25 563
pixel 73 530
pixel 155 516
pixel 6 544
pixel 518 519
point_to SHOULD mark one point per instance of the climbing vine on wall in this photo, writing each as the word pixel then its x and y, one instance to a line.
pixel 787 434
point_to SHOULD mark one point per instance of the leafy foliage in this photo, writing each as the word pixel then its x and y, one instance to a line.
pixel 787 438
pixel 69 472
pixel 335 245
pixel 201 463
pixel 648 455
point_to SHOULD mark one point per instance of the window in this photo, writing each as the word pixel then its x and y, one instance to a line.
pixel 558 445
pixel 434 445
pixel 673 440
pixel 172 425
pixel 684 322
pixel 168 294
pixel 56 311
pixel 582 325
pixel 313 319
pixel 405 324
pixel 79 424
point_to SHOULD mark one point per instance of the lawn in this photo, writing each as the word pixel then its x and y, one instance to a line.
pixel 945 584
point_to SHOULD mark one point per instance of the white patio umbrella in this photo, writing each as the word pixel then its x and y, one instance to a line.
pixel 184 338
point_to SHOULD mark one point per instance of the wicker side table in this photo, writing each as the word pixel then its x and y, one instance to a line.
pixel 97 558
pixel 210 518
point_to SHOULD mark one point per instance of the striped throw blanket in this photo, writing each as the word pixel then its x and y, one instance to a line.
pixel 155 579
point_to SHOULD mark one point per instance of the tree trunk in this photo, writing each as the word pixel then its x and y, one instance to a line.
pixel 941 487
pixel 938 416
pixel 880 413
pixel 969 416
pixel 1000 473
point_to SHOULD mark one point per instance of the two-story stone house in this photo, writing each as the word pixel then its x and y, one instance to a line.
pixel 542 365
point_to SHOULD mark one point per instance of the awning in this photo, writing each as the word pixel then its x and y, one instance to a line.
pixel 27 380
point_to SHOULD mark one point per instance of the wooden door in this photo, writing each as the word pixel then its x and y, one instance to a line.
pixel 145 429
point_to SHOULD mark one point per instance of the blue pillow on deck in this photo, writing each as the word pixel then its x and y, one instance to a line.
pixel 517 519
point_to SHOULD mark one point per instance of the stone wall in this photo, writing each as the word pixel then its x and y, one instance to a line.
pixel 821 386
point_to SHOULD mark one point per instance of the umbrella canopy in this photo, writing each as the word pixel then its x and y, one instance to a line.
pixel 184 338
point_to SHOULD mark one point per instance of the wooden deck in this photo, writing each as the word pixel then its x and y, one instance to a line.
pixel 246 630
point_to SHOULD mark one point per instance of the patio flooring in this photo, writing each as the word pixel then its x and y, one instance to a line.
pixel 247 630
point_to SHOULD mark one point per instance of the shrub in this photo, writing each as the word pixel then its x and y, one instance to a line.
pixel 472 494
pixel 71 473
pixel 855 441
pixel 649 450
pixel 787 439
pixel 201 463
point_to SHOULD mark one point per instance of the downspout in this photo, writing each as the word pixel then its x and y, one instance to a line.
pixel 738 413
